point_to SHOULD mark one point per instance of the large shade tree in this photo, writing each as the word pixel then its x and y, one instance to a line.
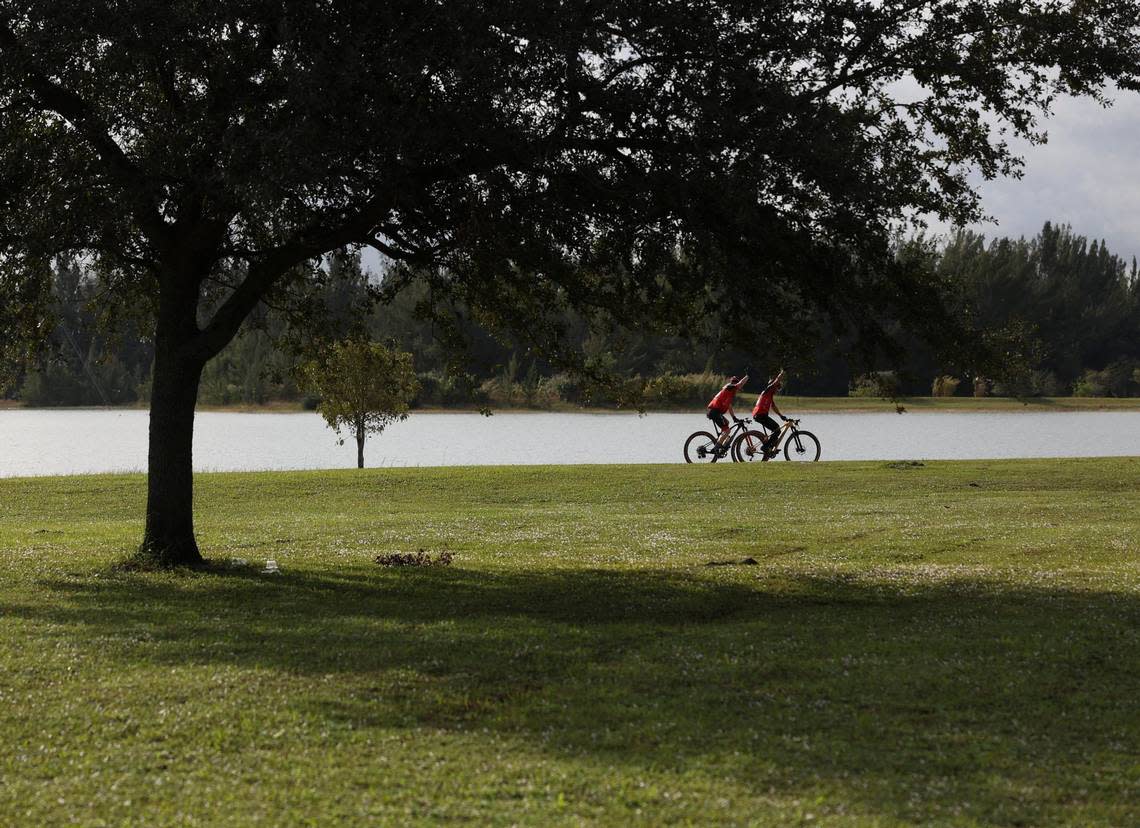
pixel 650 158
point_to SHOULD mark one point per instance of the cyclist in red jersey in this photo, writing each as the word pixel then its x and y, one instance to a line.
pixel 720 405
pixel 767 402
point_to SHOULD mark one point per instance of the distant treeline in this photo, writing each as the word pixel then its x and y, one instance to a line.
pixel 1074 306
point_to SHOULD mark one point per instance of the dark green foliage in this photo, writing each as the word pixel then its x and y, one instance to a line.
pixel 25 313
pixel 1062 333
pixel 80 362
pixel 251 371
pixel 1057 305
pixel 1119 379
pixel 657 162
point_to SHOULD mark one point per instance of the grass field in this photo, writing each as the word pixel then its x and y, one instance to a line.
pixel 951 644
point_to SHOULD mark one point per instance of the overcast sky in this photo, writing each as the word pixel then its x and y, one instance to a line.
pixel 1088 175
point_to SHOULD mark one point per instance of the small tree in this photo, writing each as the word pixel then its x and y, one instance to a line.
pixel 363 386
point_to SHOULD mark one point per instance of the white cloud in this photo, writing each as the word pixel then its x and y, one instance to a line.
pixel 1087 175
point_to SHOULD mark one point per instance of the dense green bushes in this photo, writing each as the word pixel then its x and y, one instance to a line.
pixel 1119 379
pixel 944 386
pixel 876 384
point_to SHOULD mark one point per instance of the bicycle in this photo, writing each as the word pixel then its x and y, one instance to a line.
pixel 701 447
pixel 798 445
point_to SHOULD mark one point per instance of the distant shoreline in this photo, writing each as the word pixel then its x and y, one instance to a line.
pixel 792 405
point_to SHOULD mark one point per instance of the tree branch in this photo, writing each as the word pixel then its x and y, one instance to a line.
pixel 76 111
pixel 308 243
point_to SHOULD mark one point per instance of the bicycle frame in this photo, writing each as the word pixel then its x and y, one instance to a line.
pixel 739 426
pixel 787 427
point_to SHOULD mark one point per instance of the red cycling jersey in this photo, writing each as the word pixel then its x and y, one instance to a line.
pixel 723 400
pixel 764 401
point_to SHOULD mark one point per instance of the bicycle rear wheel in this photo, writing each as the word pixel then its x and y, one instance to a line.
pixel 701 448
pixel 801 445
pixel 748 447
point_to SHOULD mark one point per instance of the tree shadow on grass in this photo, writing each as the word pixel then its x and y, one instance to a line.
pixel 915 700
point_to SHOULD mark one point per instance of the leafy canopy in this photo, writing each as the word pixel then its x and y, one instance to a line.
pixel 363 386
pixel 656 160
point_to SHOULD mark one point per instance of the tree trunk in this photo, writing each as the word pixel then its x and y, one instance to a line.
pixel 360 447
pixel 169 536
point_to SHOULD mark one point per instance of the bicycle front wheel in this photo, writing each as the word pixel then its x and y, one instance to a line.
pixel 801 445
pixel 700 448
pixel 749 447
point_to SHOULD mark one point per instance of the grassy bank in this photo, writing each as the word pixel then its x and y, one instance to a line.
pixel 952 643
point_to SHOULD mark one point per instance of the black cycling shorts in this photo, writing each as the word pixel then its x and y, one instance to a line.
pixel 718 418
pixel 769 422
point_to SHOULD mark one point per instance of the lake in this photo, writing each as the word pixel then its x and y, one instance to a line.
pixel 77 441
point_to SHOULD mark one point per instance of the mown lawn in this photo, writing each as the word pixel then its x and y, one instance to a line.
pixel 953 644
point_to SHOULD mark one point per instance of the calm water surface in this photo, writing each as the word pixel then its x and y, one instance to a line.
pixel 44 442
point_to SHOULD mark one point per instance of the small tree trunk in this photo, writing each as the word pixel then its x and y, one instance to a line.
pixel 359 446
pixel 169 536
